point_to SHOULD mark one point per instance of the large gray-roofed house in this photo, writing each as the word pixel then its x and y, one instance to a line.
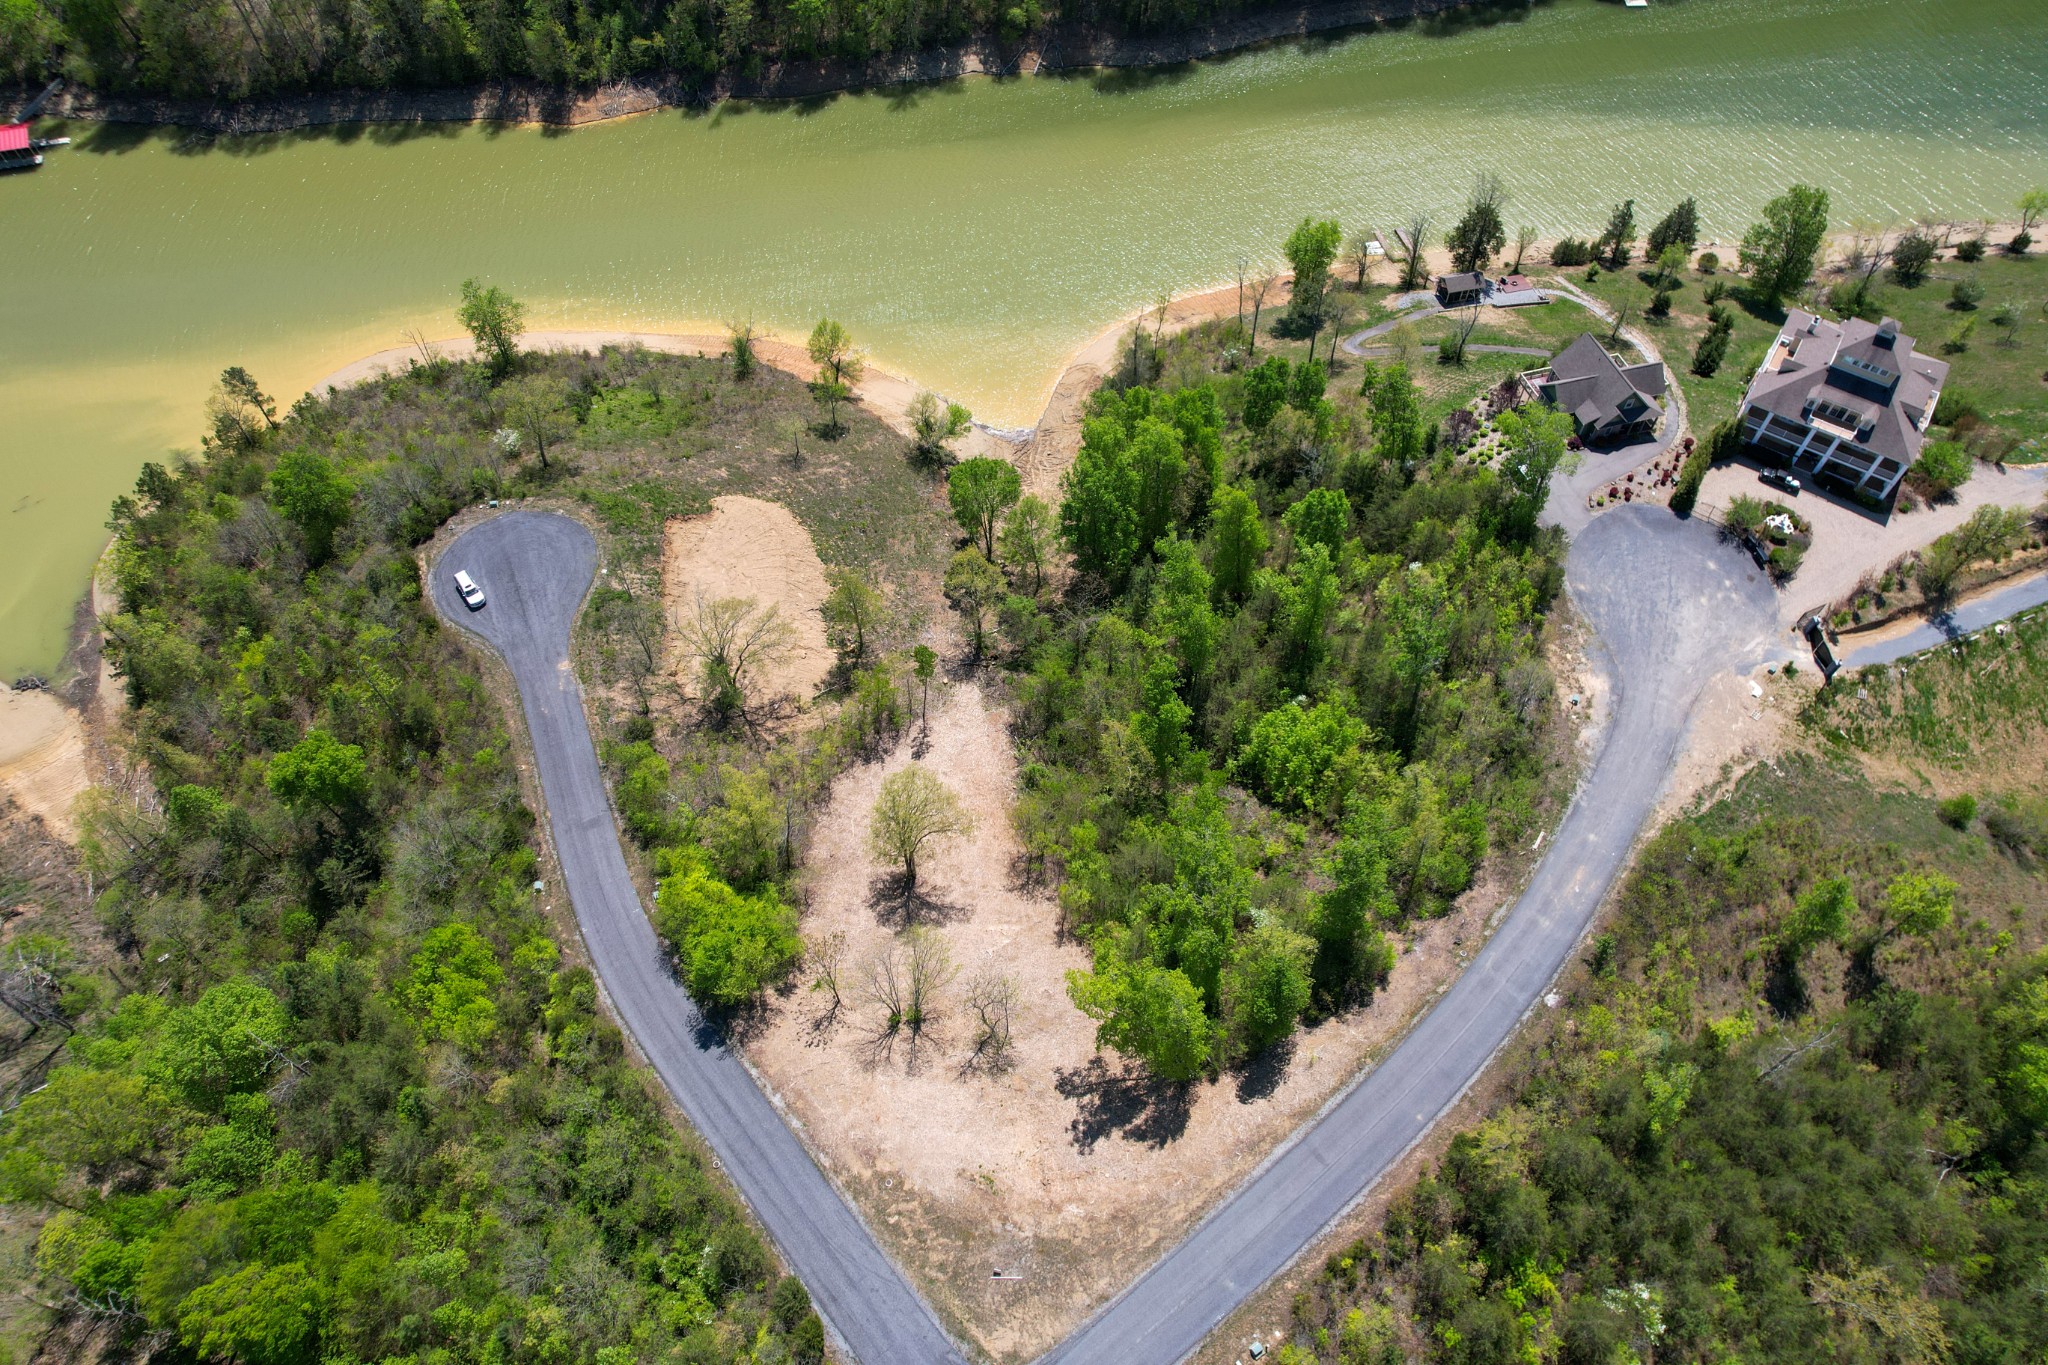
pixel 1608 402
pixel 1848 401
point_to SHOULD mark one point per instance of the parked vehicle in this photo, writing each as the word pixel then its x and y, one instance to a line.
pixel 472 595
pixel 1778 478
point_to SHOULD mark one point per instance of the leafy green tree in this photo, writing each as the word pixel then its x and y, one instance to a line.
pixel 1310 249
pixel 840 367
pixel 1820 915
pixel 1308 603
pixel 1237 540
pixel 1912 254
pixel 224 1043
pixel 1481 234
pixel 1305 758
pixel 1322 517
pixel 494 320
pixel 935 424
pixel 1917 903
pixel 1267 387
pixel 312 495
pixel 260 1315
pixel 730 947
pixel 1779 250
pixel 320 772
pixel 1161 724
pixel 914 811
pixel 1620 236
pixel 981 490
pixel 1397 425
pixel 1145 1011
pixel 1265 988
pixel 1353 956
pixel 1678 228
pixel 853 611
pixel 1099 506
pixel 1537 448
pixel 450 985
pixel 976 588
pixel 1415 607
pixel 1026 542
pixel 537 407
pixel 1182 612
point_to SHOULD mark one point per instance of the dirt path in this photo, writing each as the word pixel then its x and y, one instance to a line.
pixel 752 549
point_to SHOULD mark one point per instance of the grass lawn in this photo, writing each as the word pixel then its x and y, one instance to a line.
pixel 2004 382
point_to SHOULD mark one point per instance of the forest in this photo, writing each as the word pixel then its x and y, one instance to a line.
pixel 239 48
pixel 342 1098
pixel 1794 1112
pixel 1293 694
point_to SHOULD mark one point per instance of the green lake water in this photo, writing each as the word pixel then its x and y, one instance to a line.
pixel 970 235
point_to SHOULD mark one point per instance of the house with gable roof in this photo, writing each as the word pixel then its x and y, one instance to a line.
pixel 1848 402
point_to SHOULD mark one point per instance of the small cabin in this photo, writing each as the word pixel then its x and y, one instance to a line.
pixel 1460 291
pixel 17 152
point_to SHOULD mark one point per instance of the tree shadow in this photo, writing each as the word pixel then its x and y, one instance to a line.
pixel 1259 1075
pixel 899 905
pixel 883 1045
pixel 1785 988
pixel 1127 1101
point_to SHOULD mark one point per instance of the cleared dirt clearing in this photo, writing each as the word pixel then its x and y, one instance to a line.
pixel 749 548
pixel 1070 1169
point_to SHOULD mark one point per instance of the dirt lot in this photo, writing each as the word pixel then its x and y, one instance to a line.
pixel 43 763
pixel 752 549
pixel 1071 1169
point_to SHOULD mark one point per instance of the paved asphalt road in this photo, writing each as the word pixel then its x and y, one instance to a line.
pixel 534 569
pixel 1672 605
pixel 1986 610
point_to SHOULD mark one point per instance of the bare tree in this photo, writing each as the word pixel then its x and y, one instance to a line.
pixel 828 963
pixel 1414 264
pixel 882 985
pixel 732 640
pixel 929 970
pixel 430 354
pixel 993 997
pixel 1361 257
pixel 1865 256
pixel 1525 237
pixel 1261 287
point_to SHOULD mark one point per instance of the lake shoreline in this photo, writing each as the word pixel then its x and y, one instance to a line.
pixel 1070 49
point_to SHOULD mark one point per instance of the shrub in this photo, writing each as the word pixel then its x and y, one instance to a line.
pixel 730 946
pixel 1716 291
pixel 1911 256
pixel 1571 251
pixel 1660 304
pixel 2020 244
pixel 1708 355
pixel 1592 273
pixel 1958 812
pixel 1959 337
pixel 1954 406
pixel 1943 467
pixel 1971 251
pixel 1709 263
pixel 1965 296
pixel 1305 759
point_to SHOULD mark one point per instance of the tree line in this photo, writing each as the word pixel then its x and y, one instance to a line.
pixel 235 49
